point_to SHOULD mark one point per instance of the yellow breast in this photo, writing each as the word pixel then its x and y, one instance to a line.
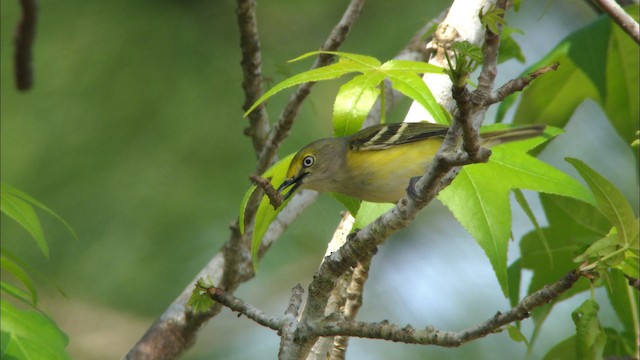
pixel 383 175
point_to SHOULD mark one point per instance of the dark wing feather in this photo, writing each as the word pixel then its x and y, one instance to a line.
pixel 383 136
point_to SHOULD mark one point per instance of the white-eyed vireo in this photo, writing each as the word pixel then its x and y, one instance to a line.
pixel 377 163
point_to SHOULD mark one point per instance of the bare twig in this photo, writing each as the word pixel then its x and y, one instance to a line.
pixel 519 84
pixel 432 336
pixel 620 17
pixel 275 198
pixel 24 37
pixel 332 326
pixel 252 72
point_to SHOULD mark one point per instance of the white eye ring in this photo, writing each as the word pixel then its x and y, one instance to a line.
pixel 308 161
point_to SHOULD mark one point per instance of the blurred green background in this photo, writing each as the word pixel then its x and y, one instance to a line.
pixel 133 134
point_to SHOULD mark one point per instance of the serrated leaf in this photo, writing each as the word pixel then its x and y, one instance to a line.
pixel 479 196
pixel 602 247
pixel 590 338
pixel 611 203
pixel 265 213
pixel 572 225
pixel 30 335
pixel 598 62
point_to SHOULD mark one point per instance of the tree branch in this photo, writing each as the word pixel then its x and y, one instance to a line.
pixel 620 17
pixel 251 64
pixel 24 36
pixel 332 327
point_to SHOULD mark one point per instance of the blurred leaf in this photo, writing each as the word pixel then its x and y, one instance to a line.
pixel 514 273
pixel 16 292
pixel 624 300
pixel 479 196
pixel 564 350
pixel 598 62
pixel 19 206
pixel 22 212
pixel 265 213
pixel 573 224
pixel 509 49
pixel 492 19
pixel 30 335
pixel 516 335
pixel 611 203
pixel 590 337
pixel 7 264
pixel 619 346
pixel 351 204
pixel 368 212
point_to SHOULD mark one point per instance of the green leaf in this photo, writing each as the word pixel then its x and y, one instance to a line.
pixel 411 85
pixel 368 212
pixel 30 335
pixel 16 292
pixel 598 62
pixel 564 350
pixel 514 273
pixel 572 225
pixel 351 204
pixel 611 203
pixel 353 103
pixel 624 300
pixel 479 196
pixel 7 264
pixel 509 48
pixel 356 98
pixel 590 337
pixel 265 213
pixel 22 212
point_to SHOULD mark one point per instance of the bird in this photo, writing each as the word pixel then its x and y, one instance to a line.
pixel 377 163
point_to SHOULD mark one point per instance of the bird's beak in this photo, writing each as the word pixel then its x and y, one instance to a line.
pixel 291 183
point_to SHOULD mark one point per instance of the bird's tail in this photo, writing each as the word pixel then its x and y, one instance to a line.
pixel 494 138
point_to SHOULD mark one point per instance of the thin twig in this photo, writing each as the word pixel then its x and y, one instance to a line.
pixel 275 198
pixel 24 36
pixel 332 326
pixel 431 336
pixel 620 17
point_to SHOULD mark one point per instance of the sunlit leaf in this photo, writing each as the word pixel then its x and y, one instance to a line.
pixel 369 212
pixel 30 335
pixel 265 213
pixel 479 196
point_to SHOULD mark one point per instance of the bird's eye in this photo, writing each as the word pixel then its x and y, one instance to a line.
pixel 308 161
